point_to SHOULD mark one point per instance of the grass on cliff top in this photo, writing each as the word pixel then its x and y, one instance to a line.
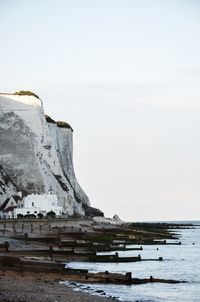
pixel 26 92
pixel 49 119
pixel 59 124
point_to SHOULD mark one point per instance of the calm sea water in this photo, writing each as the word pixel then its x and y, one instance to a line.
pixel 181 262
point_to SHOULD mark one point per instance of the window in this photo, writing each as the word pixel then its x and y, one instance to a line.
pixel 11 203
pixel 35 212
pixel 32 204
pixel 28 212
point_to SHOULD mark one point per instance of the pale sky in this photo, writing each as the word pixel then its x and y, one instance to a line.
pixel 126 75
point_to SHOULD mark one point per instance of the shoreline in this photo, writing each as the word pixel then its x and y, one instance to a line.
pixel 28 289
pixel 26 277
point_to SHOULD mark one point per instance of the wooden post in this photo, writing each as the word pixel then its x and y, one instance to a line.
pixel 14 230
pixel 51 251
pixel 129 275
pixel 26 238
pixel 31 228
pixel 6 246
pixel 4 229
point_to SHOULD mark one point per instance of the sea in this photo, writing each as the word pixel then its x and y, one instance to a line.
pixel 180 262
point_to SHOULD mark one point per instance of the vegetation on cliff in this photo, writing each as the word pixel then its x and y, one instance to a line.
pixel 49 119
pixel 62 124
pixel 26 92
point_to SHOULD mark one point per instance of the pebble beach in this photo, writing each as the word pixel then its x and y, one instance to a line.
pixel 28 289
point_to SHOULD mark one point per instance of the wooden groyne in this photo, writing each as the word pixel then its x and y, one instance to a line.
pixel 90 241
pixel 116 259
pixel 71 254
pixel 44 246
pixel 98 247
pixel 85 235
pixel 58 271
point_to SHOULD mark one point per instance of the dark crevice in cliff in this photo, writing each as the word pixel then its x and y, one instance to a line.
pixel 5 178
pixel 61 183
pixel 75 195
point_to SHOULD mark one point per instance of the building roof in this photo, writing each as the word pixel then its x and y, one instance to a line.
pixel 3 206
pixel 16 198
pixel 11 208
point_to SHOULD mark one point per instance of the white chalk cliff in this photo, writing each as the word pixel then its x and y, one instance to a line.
pixel 7 187
pixel 36 153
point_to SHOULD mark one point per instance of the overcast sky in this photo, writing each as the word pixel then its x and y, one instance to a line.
pixel 126 75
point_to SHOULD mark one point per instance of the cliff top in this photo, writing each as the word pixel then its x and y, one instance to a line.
pixel 27 93
pixel 59 124
pixel 20 100
pixel 21 92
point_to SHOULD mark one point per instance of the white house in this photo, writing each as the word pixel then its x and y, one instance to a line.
pixel 38 203
pixel 7 208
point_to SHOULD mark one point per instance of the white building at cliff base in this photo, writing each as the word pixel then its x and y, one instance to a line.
pixel 38 203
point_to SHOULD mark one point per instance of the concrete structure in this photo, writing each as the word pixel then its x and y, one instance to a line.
pixel 38 203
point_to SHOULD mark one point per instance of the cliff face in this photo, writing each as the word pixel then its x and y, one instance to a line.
pixel 7 187
pixel 36 153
